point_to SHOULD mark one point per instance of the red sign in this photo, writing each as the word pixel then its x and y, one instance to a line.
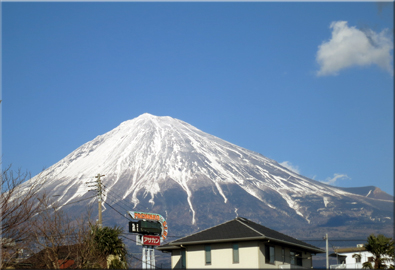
pixel 151 240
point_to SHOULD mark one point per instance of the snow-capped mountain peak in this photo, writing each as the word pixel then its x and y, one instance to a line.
pixel 143 158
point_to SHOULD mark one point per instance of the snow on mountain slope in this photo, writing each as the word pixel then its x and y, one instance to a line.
pixel 142 157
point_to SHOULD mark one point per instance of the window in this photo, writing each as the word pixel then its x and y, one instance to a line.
pixel 358 259
pixel 283 255
pixel 296 258
pixel 207 252
pixel 370 259
pixel 269 254
pixel 299 260
pixel 292 257
pixel 235 253
pixel 183 259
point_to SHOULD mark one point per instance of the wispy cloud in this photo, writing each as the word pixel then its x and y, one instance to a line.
pixel 290 166
pixel 350 46
pixel 336 177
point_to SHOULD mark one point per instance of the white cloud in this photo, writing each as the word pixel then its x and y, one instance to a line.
pixel 352 47
pixel 336 176
pixel 291 167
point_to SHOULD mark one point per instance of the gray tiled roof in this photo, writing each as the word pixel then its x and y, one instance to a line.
pixel 239 229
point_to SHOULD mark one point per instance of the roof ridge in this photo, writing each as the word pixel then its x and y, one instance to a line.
pixel 350 249
pixel 240 221
pixel 280 233
pixel 275 231
pixel 200 231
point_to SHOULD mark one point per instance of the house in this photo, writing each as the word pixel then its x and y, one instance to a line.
pixel 66 255
pixel 352 257
pixel 240 243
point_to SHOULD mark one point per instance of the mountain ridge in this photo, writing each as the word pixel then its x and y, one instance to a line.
pixel 369 191
pixel 161 164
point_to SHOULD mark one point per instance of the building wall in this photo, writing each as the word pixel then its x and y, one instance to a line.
pixel 251 255
pixel 282 259
pixel 222 256
pixel 176 259
pixel 351 260
pixel 351 263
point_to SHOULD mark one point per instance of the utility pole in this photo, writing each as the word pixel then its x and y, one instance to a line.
pixel 99 197
pixel 99 188
pixel 327 251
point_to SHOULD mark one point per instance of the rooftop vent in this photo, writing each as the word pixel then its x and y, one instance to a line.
pixel 243 219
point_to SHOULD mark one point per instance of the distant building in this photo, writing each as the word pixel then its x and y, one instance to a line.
pixel 240 243
pixel 67 256
pixel 352 257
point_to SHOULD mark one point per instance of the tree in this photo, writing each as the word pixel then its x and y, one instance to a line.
pixel 18 204
pixel 53 233
pixel 382 249
pixel 30 220
pixel 108 242
pixel 58 240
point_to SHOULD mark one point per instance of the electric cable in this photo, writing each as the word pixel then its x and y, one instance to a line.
pixel 113 198
pixel 122 234
pixel 142 261
pixel 79 200
pixel 66 204
pixel 116 210
pixel 116 189
pixel 333 240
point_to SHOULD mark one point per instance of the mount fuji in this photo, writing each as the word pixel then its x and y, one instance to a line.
pixel 196 180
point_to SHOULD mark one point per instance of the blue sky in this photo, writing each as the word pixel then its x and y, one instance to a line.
pixel 309 85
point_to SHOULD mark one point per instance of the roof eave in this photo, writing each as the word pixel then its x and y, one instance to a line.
pixel 218 241
pixel 166 248
pixel 178 244
pixel 315 250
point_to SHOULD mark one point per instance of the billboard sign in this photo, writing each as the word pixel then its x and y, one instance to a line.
pixel 146 216
pixel 151 240
pixel 134 227
pixel 145 227
pixel 151 217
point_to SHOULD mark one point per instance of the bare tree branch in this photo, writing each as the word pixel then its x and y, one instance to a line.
pixel 18 204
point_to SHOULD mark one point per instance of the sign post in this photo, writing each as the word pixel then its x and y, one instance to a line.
pixel 152 230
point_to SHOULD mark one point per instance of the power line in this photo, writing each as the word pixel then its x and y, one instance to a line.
pixel 142 261
pixel 116 211
pixel 129 205
pixel 57 207
pixel 79 200
pixel 114 188
pixel 128 238
pixel 335 240
pixel 112 197
pixel 115 197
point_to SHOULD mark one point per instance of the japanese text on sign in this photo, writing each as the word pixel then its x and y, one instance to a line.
pixel 151 240
pixel 146 216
